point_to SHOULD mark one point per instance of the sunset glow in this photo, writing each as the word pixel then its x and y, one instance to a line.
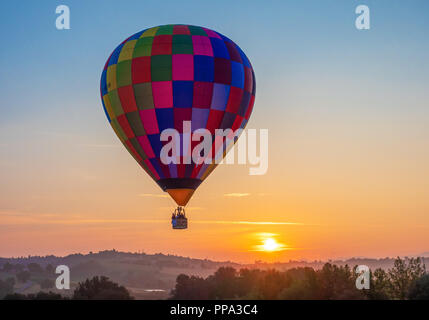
pixel 269 243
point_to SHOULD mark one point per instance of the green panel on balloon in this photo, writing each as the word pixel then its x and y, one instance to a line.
pixel 136 123
pixel 161 68
pixel 182 44
pixel 115 103
pixel 138 148
pixel 143 47
pixel 143 95
pixel 168 29
pixel 117 128
pixel 123 73
pixel 197 31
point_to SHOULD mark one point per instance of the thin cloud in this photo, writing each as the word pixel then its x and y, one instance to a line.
pixel 95 145
pixel 56 134
pixel 27 214
pixel 11 214
pixel 265 235
pixel 188 209
pixel 250 222
pixel 81 222
pixel 153 195
pixel 236 195
pixel 279 247
pixel 53 219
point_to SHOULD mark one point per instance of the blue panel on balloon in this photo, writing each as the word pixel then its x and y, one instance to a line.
pixel 165 117
pixel 183 92
pixel 219 48
pixel 237 74
pixel 203 68
pixel 155 163
pixel 115 55
pixel 136 36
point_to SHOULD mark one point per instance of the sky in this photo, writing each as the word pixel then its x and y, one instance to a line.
pixel 346 110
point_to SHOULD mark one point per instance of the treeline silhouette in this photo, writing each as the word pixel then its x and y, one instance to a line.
pixel 406 280
pixel 97 288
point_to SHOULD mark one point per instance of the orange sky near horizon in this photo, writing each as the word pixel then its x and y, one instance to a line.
pixel 325 198
pixel 346 110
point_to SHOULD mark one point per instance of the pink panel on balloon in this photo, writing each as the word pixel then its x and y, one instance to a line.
pixel 202 46
pixel 149 121
pixel 183 67
pixel 145 144
pixel 162 94
pixel 212 34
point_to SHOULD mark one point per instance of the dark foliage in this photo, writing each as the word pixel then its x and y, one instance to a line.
pixel 34 268
pixel 23 276
pixel 328 283
pixel 97 288
pixel 38 296
pixel 100 288
pixel 6 286
pixel 419 290
pixel 47 283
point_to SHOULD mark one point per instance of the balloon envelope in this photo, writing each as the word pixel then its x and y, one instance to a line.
pixel 162 76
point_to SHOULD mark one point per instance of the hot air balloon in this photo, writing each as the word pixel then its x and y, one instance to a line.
pixel 162 76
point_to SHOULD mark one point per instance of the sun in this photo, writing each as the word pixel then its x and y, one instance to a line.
pixel 270 244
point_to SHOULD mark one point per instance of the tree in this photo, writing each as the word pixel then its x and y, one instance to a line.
pixel 338 282
pixel 180 290
pixel 11 281
pixel 23 276
pixel 419 290
pixel 248 283
pixel 404 280
pixel 224 283
pixel 304 285
pixel 17 267
pixel 403 274
pixel 100 288
pixel 379 288
pixel 272 284
pixel 34 268
pixel 47 284
pixel 7 267
pixel 191 288
pixel 50 269
pixel 6 287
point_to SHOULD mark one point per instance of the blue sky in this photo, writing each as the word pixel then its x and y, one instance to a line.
pixel 281 37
